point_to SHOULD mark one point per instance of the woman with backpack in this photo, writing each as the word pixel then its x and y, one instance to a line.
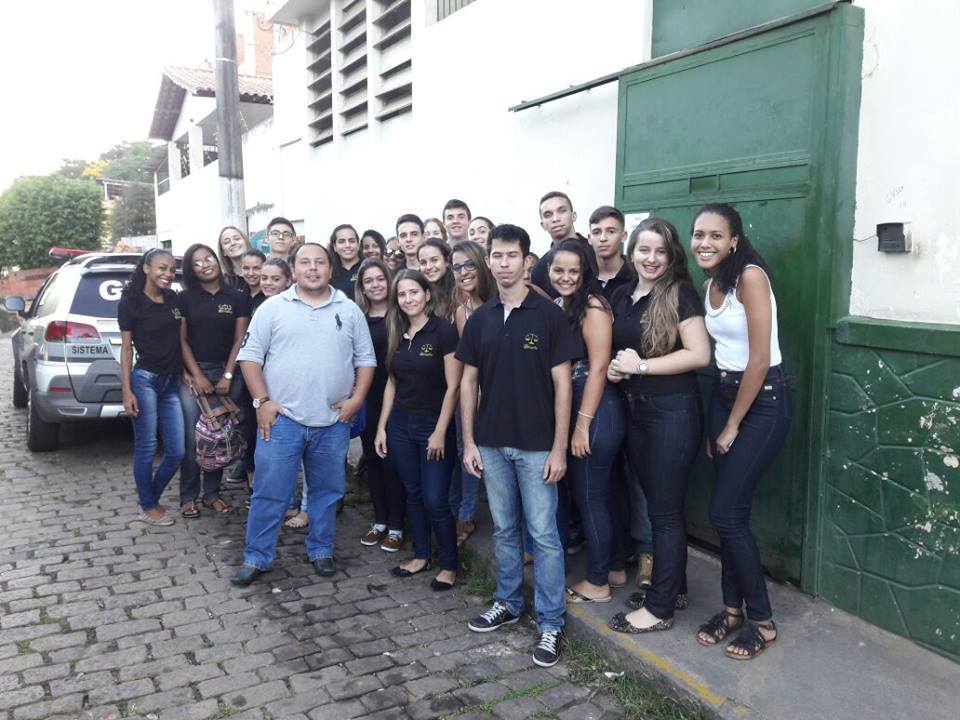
pixel 214 320
pixel 150 322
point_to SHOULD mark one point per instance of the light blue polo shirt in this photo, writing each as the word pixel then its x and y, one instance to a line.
pixel 309 354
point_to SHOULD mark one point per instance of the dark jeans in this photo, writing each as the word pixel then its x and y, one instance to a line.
pixel 762 433
pixel 663 437
pixel 386 490
pixel 427 483
pixel 589 478
pixel 189 470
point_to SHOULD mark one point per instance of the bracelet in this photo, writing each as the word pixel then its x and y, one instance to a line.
pixel 592 417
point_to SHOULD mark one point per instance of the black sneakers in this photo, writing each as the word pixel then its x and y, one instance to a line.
pixel 493 618
pixel 547 651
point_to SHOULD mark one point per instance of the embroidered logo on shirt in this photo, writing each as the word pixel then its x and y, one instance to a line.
pixel 243 343
pixel 176 314
pixel 426 350
pixel 225 309
pixel 531 341
pixel 339 321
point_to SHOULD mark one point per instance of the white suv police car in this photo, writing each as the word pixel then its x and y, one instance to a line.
pixel 66 353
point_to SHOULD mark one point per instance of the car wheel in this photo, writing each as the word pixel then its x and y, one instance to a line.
pixel 19 389
pixel 42 436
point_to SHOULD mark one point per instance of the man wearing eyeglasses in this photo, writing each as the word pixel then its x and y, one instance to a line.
pixel 281 236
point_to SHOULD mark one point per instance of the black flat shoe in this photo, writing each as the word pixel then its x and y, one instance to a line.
pixel 619 623
pixel 245 575
pixel 402 572
pixel 440 585
pixel 325 566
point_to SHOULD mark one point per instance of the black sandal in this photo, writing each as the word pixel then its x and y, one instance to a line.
pixel 401 572
pixel 619 623
pixel 636 600
pixel 189 510
pixel 751 641
pixel 718 627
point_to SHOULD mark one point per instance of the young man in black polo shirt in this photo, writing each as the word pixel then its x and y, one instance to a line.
pixel 557 218
pixel 410 238
pixel 282 237
pixel 516 350
pixel 607 236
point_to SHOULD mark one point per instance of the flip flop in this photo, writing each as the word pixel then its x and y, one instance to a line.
pixel 191 511
pixel 578 598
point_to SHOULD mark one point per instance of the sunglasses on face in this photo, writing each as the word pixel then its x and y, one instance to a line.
pixel 396 254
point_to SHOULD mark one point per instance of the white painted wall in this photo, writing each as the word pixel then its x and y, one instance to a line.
pixel 909 161
pixel 460 141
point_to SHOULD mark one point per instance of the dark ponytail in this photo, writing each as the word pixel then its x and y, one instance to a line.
pixel 732 266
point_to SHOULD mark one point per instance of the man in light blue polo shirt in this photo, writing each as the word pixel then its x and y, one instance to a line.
pixel 308 362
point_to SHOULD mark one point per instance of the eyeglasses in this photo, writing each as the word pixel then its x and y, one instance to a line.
pixel 285 234
pixel 469 266
pixel 396 255
pixel 203 262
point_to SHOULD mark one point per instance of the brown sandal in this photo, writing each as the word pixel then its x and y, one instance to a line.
pixel 189 510
pixel 217 505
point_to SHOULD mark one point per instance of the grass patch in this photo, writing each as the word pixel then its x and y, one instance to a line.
pixel 641 699
pixel 488 706
pixel 224 710
pixel 476 576
pixel 23 647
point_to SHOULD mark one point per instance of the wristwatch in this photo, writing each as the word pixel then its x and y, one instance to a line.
pixel 257 402
pixel 228 375
pixel 644 367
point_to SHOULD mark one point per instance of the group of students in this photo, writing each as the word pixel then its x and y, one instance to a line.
pixel 566 383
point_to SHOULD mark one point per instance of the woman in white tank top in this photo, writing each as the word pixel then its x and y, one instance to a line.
pixel 747 421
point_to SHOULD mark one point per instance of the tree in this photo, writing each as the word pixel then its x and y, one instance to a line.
pixel 133 213
pixel 37 213
pixel 128 161
pixel 72 168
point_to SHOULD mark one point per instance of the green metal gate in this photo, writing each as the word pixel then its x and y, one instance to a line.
pixel 766 121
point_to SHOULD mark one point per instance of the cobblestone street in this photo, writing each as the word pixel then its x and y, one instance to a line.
pixel 104 617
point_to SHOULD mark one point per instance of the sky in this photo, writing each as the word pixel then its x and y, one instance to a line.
pixel 83 76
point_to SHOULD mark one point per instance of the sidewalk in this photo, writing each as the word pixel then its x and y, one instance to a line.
pixel 827 664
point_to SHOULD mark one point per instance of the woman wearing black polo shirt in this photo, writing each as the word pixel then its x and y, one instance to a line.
pixel 215 319
pixel 345 251
pixel 150 322
pixel 232 243
pixel 386 490
pixel 598 424
pixel 660 340
pixel 434 256
pixel 416 422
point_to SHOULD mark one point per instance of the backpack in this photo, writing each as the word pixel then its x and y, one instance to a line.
pixel 221 440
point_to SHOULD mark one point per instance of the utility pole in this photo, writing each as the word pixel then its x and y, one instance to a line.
pixel 229 148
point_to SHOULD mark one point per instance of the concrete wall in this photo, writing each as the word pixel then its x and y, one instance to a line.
pixel 909 162
pixel 460 140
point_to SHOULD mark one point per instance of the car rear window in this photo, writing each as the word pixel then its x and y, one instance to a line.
pixel 98 294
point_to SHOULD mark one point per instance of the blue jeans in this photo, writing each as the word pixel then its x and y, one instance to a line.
pixel 427 483
pixel 589 478
pixel 323 452
pixel 189 469
pixel 516 492
pixel 663 438
pixel 763 431
pixel 464 485
pixel 159 404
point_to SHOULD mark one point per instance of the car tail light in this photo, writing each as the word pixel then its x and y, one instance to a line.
pixel 65 331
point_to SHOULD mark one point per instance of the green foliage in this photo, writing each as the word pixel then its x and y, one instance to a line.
pixel 133 213
pixel 72 168
pixel 37 213
pixel 128 161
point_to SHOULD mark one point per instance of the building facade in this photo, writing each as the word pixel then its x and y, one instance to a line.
pixel 830 125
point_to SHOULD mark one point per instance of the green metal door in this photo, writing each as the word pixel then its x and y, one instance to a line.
pixel 749 122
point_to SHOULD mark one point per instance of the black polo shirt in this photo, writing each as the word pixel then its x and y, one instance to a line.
pixel 417 367
pixel 211 320
pixel 514 360
pixel 156 331
pixel 624 276
pixel 629 320
pixel 346 280
pixel 540 275
pixel 256 301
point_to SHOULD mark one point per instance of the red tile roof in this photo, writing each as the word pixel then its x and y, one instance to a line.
pixel 200 82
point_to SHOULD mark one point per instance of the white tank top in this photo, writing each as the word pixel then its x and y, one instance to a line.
pixel 727 325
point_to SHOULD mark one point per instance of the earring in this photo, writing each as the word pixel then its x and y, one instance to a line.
pixel 734 251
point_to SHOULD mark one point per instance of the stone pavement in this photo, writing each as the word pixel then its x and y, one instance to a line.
pixel 102 617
